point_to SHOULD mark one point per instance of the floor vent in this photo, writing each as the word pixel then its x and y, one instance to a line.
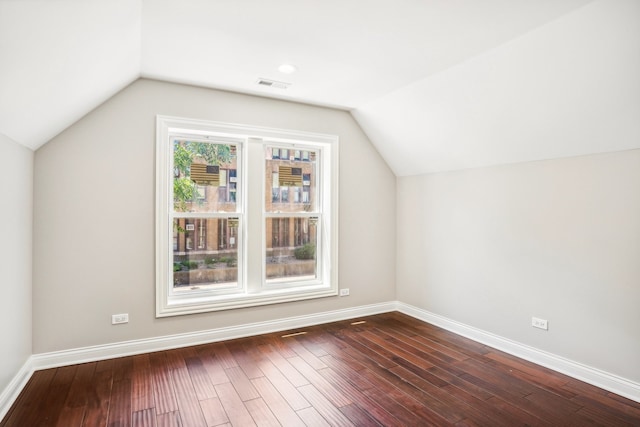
pixel 295 334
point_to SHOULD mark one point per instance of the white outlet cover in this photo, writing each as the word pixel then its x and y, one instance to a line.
pixel 539 323
pixel 117 319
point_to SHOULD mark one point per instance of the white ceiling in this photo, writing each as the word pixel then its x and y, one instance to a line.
pixel 436 84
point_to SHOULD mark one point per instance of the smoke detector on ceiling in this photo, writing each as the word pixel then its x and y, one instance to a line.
pixel 273 83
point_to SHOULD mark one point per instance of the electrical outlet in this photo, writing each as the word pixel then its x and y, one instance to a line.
pixel 117 319
pixel 539 323
pixel 344 292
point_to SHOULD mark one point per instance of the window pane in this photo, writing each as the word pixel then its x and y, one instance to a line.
pixel 291 249
pixel 291 181
pixel 205 253
pixel 202 172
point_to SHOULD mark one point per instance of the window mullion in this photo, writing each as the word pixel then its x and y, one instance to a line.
pixel 254 178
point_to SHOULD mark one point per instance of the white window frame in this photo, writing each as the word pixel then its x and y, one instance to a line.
pixel 253 289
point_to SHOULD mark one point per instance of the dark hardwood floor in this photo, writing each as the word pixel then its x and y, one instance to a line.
pixel 390 370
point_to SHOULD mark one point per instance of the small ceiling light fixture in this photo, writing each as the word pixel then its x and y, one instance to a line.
pixel 287 68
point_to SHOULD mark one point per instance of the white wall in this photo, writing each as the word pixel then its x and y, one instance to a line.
pixel 16 201
pixel 94 216
pixel 556 239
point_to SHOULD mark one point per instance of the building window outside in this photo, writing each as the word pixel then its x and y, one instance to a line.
pixel 280 233
pixel 205 261
pixel 233 179
pixel 301 232
pixel 202 193
pixel 275 234
pixel 222 234
pixel 201 234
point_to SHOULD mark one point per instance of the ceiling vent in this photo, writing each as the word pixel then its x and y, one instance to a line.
pixel 273 83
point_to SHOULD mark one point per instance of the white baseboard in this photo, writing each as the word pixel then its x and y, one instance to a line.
pixel 593 376
pixel 13 389
pixel 147 345
pixel 573 369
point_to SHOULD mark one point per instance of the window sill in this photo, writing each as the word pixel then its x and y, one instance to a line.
pixel 203 304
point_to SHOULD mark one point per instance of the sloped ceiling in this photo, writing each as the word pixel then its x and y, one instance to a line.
pixel 60 59
pixel 568 88
pixel 436 84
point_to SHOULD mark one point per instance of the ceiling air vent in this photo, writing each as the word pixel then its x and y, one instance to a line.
pixel 273 83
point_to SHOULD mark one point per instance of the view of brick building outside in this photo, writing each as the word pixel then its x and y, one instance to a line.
pixel 205 249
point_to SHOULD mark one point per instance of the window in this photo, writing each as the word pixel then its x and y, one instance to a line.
pixel 279 233
pixel 245 216
pixel 201 234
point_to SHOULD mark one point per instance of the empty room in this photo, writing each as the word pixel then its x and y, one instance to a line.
pixel 367 213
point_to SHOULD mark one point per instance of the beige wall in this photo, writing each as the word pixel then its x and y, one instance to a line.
pixel 16 196
pixel 94 216
pixel 557 239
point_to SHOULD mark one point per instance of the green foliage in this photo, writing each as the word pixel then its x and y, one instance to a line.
pixel 182 158
pixel 209 261
pixel 189 265
pixel 307 251
pixel 230 261
pixel 213 154
pixel 177 266
pixel 184 190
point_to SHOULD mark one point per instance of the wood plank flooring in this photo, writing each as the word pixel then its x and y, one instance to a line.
pixel 391 370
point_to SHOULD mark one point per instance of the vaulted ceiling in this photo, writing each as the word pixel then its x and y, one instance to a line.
pixel 436 84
